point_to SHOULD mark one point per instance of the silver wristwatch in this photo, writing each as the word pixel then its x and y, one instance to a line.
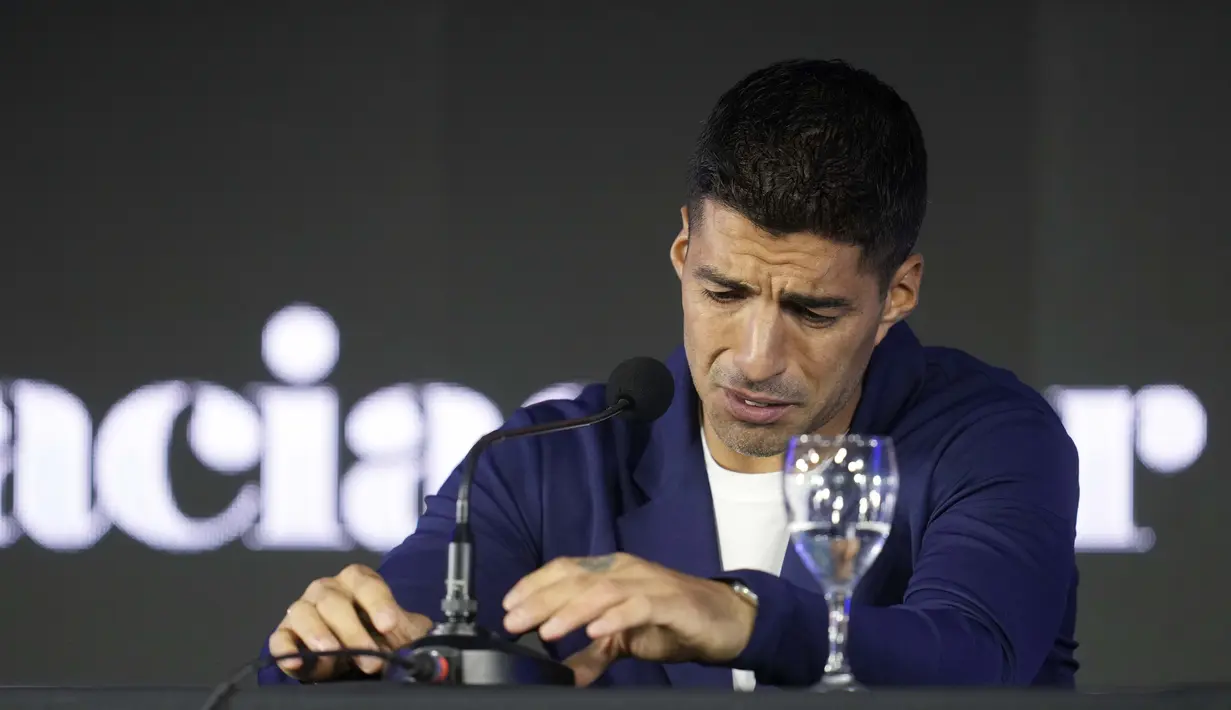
pixel 744 592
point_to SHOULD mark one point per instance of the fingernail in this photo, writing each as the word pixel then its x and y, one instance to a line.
pixel 514 621
pixel 598 628
pixel 323 644
pixel 550 630
pixel 384 621
pixel 509 602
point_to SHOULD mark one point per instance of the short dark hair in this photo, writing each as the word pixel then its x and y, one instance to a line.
pixel 817 146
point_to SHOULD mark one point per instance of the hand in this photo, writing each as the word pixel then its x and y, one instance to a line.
pixel 331 615
pixel 630 607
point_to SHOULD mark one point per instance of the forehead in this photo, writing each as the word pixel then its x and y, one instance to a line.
pixel 732 244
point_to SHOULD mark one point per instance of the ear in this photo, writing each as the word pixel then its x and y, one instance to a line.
pixel 902 295
pixel 679 246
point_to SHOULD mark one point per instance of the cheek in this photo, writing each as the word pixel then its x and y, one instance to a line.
pixel 690 317
pixel 702 325
pixel 824 370
pixel 696 339
pixel 830 356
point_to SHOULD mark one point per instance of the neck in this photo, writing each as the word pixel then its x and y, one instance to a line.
pixel 734 461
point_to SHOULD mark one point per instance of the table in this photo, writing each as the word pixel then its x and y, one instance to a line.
pixel 375 696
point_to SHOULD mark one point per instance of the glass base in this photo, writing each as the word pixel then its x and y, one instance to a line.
pixel 837 683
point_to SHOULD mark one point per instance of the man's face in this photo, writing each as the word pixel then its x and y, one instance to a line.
pixel 779 329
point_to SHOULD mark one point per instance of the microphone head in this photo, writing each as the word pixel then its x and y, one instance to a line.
pixel 646 384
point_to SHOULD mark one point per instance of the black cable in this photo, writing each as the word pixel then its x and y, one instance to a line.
pixel 414 665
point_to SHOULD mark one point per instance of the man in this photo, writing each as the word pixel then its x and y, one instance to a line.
pixel 619 544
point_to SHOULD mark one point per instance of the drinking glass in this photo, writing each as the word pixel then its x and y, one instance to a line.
pixel 840 496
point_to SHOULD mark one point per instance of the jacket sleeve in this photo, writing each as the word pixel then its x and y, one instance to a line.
pixel 505 518
pixel 990 583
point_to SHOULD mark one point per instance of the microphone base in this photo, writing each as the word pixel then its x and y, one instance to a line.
pixel 466 655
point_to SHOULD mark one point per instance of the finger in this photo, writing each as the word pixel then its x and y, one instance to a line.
pixel 373 595
pixel 281 643
pixel 303 620
pixel 541 604
pixel 413 627
pixel 340 613
pixel 578 610
pixel 549 574
pixel 335 607
pixel 410 627
pixel 565 567
pixel 305 625
pixel 591 662
pixel 315 667
pixel 635 611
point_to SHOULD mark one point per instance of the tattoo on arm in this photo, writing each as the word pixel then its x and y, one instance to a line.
pixel 597 564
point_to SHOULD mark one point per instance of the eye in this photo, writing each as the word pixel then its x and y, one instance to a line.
pixel 813 318
pixel 722 296
pixel 816 318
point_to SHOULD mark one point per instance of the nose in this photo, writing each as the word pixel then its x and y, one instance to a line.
pixel 760 353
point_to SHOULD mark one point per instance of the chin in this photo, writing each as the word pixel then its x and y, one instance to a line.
pixel 755 440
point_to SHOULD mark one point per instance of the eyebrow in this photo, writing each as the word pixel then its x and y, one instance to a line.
pixel 801 300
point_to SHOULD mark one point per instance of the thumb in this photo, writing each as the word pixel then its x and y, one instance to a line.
pixel 591 662
pixel 410 628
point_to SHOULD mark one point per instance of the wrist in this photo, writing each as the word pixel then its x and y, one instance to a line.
pixel 789 639
pixel 742 607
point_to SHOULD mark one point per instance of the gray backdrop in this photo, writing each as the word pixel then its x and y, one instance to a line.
pixel 485 195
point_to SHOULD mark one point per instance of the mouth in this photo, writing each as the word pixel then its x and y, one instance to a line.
pixel 757 400
pixel 753 408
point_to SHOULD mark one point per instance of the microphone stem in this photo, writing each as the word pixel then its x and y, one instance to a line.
pixel 459 605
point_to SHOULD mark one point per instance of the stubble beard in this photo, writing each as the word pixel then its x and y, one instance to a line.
pixel 769 441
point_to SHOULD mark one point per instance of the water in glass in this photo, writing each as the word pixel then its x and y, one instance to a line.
pixel 840 497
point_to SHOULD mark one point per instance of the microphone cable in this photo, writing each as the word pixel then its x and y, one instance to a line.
pixel 422 668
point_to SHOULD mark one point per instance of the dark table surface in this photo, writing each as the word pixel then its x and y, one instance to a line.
pixel 364 696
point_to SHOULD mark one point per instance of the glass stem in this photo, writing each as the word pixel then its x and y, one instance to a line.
pixel 836 665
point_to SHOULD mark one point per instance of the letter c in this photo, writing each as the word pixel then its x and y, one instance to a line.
pixel 133 481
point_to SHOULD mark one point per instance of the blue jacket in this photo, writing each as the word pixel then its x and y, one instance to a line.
pixel 976 584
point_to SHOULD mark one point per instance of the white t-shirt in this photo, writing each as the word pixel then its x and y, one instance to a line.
pixel 752 526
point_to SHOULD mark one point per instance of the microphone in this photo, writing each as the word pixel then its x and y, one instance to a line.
pixel 640 388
